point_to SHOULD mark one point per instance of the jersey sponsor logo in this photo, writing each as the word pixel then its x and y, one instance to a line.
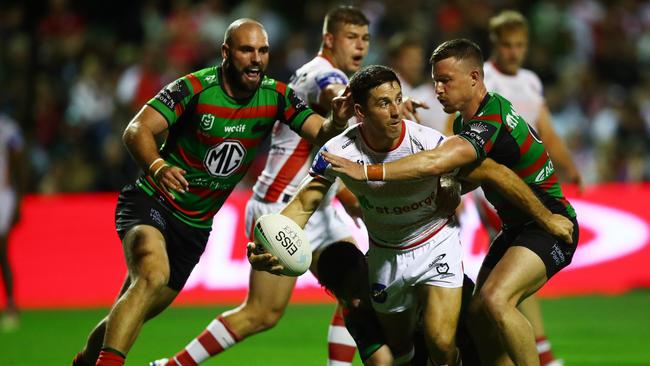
pixel 223 159
pixel 158 218
pixel 479 132
pixel 277 149
pixel 429 201
pixel 417 143
pixel 207 120
pixel 238 128
pixel 441 267
pixel 478 127
pixel 545 172
pixel 296 102
pixel 173 93
pixel 348 142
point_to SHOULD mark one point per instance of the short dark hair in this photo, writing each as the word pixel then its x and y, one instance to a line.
pixel 336 262
pixel 370 77
pixel 341 15
pixel 461 49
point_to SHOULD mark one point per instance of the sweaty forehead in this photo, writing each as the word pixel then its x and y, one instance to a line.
pixel 450 65
pixel 388 89
pixel 351 28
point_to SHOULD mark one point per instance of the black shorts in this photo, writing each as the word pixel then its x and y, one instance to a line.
pixel 555 253
pixel 184 243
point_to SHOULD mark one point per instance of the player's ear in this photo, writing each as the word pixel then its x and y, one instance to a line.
pixel 358 111
pixel 475 75
pixel 225 51
pixel 328 40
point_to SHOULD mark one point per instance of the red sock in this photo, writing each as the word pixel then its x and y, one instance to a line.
pixel 341 345
pixel 107 358
pixel 544 350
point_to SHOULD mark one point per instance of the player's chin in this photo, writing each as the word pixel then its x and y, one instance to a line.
pixel 448 108
pixel 251 84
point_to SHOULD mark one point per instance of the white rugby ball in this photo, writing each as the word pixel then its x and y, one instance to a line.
pixel 282 237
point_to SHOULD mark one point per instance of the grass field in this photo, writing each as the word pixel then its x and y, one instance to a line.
pixel 584 331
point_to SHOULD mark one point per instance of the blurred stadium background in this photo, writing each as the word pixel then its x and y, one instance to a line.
pixel 74 72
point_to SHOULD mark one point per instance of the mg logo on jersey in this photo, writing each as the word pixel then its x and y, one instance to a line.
pixel 223 159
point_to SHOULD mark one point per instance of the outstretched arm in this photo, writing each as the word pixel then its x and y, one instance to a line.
pixel 306 201
pixel 452 153
pixel 498 176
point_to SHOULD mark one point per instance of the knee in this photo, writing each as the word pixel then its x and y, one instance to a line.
pixel 150 281
pixel 263 318
pixel 444 342
pixel 492 303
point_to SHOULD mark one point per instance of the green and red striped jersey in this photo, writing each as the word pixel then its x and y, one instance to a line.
pixel 497 131
pixel 215 137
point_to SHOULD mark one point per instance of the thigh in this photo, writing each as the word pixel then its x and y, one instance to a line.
pixel 519 274
pixel 398 329
pixel 440 309
pixel 182 244
pixel 145 252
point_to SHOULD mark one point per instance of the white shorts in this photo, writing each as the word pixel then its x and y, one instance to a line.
pixel 394 273
pixel 323 228
pixel 8 209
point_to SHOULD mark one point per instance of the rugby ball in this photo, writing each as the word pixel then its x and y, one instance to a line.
pixel 282 237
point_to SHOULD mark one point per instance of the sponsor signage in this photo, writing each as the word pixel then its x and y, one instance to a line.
pixel 65 252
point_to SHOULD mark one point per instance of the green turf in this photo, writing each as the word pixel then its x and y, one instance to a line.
pixel 584 331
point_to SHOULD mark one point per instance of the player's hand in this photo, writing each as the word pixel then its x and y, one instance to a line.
pixel 409 109
pixel 561 227
pixel 342 108
pixel 344 166
pixel 260 260
pixel 171 178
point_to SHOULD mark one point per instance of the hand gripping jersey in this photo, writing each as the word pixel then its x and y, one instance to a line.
pixel 291 155
pixel 497 131
pixel 215 137
pixel 396 214
pixel 524 90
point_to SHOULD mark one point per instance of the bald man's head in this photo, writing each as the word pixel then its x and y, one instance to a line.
pixel 241 25
pixel 245 54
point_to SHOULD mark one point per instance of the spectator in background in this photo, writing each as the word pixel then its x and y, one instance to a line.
pixel 406 57
pixel 12 183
